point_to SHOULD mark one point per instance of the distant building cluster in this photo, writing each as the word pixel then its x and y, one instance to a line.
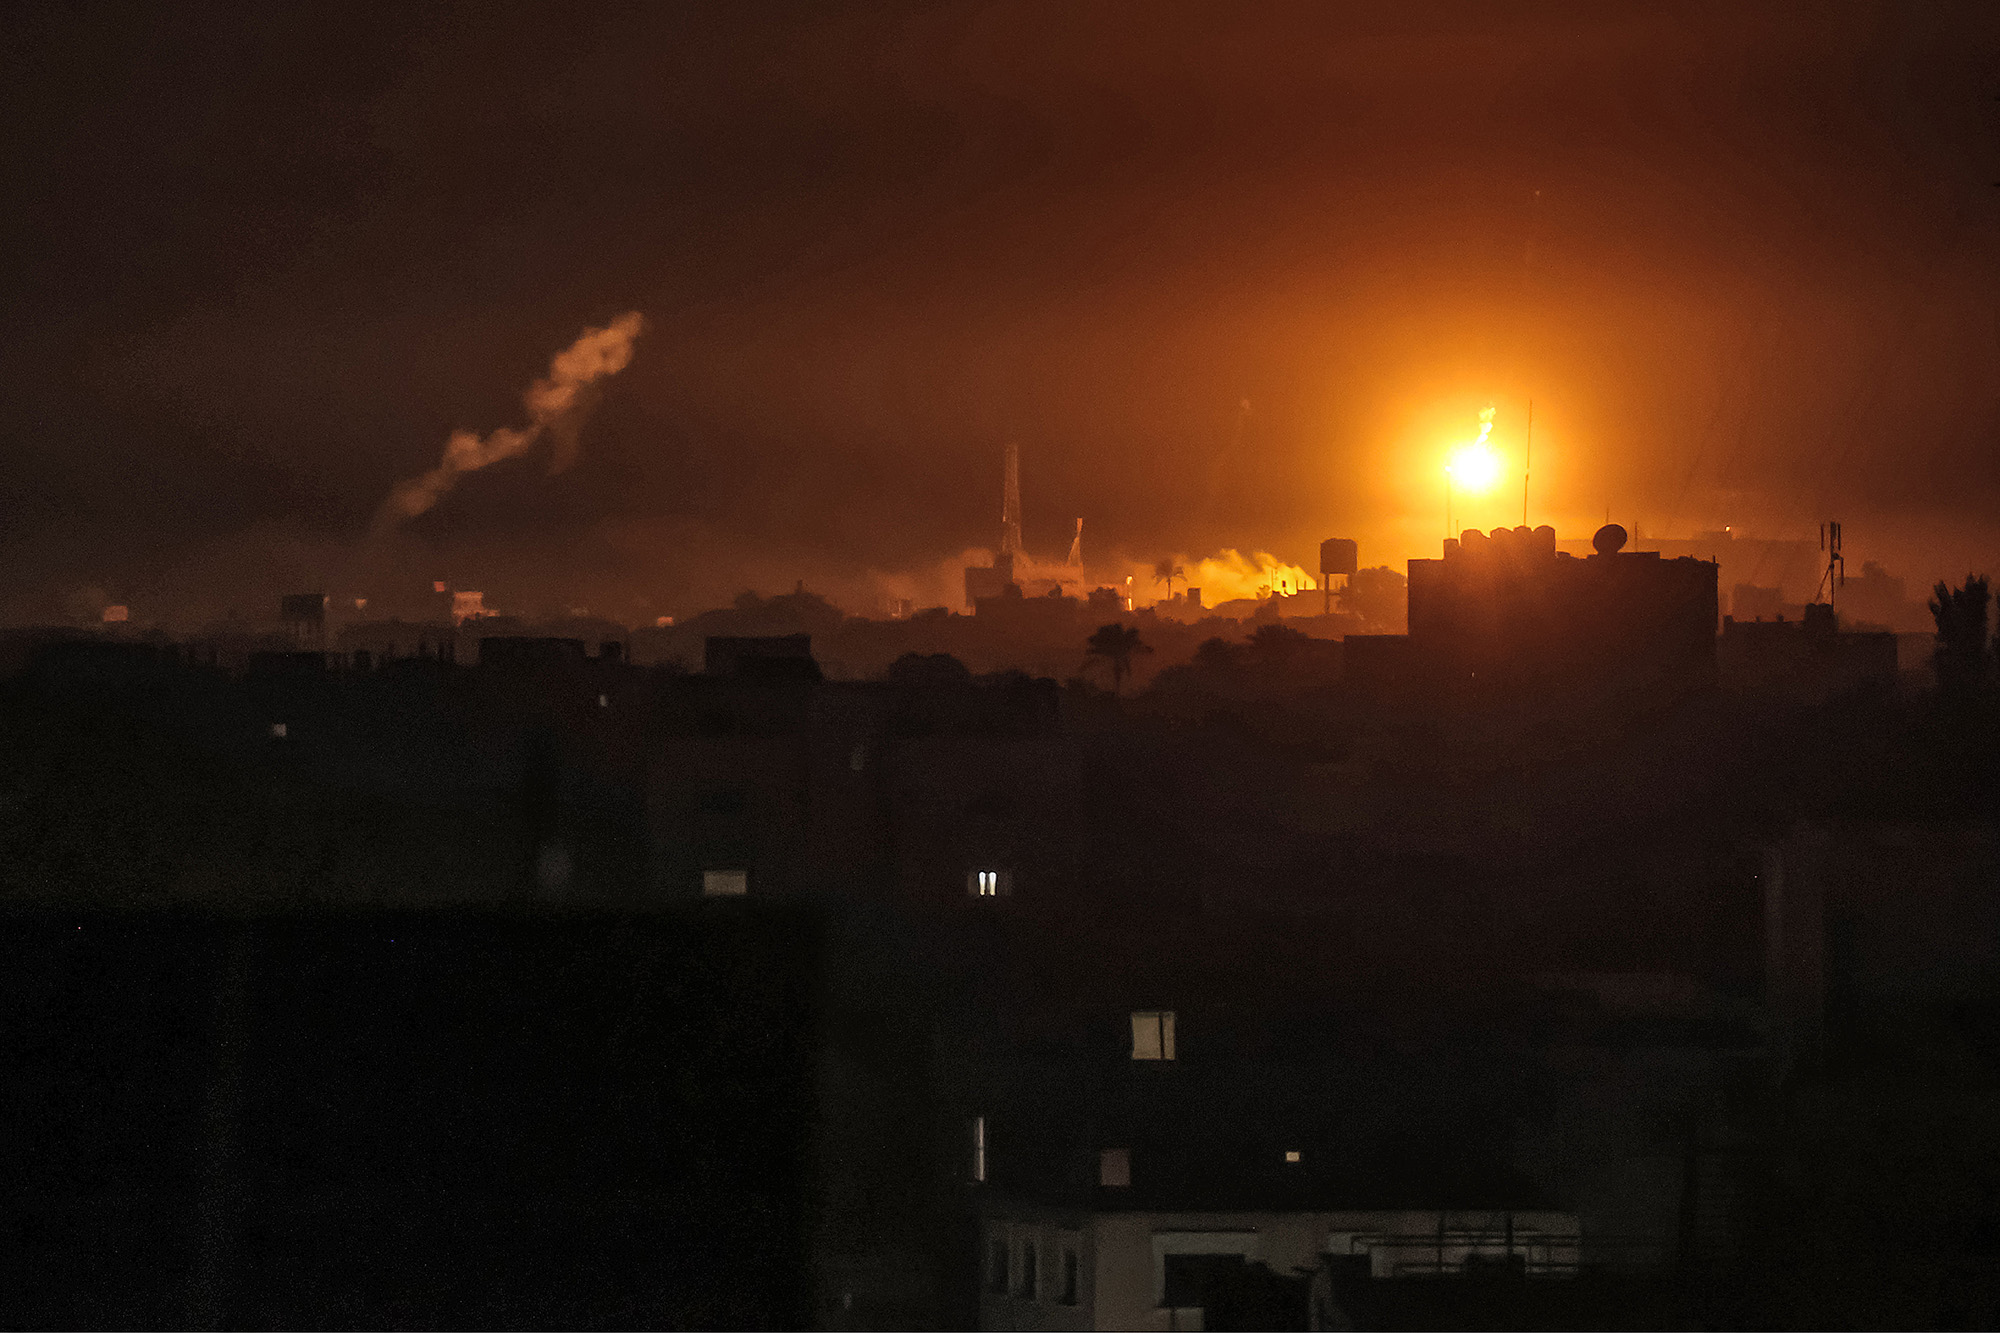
pixel 1298 986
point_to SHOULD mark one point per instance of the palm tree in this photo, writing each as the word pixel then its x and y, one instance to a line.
pixel 1166 571
pixel 1963 662
pixel 1116 644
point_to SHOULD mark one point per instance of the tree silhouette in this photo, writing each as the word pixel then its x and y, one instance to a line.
pixel 1166 571
pixel 1275 645
pixel 1116 644
pixel 1216 655
pixel 1376 597
pixel 1963 660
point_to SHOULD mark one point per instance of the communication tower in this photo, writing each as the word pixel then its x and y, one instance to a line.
pixel 1836 564
pixel 1010 505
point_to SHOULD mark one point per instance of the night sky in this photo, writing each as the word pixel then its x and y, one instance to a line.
pixel 262 260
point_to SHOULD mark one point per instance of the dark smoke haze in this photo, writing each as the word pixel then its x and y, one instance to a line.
pixel 1232 276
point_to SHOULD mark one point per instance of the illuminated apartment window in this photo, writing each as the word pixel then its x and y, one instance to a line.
pixel 1153 1034
pixel 604 701
pixel 724 883
pixel 277 731
pixel 1114 1168
pixel 979 1149
pixel 1031 1277
pixel 1293 1156
pixel 996 1264
pixel 989 883
pixel 1069 1277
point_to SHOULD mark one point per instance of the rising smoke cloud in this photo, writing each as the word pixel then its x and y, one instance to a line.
pixel 1228 575
pixel 557 404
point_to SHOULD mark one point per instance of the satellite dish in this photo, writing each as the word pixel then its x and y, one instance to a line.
pixel 1610 539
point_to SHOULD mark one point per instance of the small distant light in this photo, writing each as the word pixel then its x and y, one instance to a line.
pixel 361 604
pixel 277 731
pixel 604 701
pixel 1293 1156
pixel 725 883
pixel 438 586
pixel 663 622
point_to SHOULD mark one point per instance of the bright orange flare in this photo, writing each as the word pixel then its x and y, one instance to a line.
pixel 1475 468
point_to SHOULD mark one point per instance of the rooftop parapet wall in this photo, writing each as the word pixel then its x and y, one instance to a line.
pixel 1511 603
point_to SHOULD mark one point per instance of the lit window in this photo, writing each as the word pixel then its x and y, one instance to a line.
pixel 989 883
pixel 1069 1277
pixel 1114 1167
pixel 1153 1034
pixel 724 883
pixel 277 731
pixel 979 1149
pixel 1030 1271
pixel 604 701
pixel 1293 1156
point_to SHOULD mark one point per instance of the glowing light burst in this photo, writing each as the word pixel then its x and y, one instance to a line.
pixel 1475 468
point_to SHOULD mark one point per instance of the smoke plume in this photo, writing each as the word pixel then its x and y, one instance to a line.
pixel 557 404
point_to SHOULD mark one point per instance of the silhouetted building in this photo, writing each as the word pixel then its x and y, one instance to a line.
pixel 765 657
pixel 768 782
pixel 987 581
pixel 519 652
pixel 1878 599
pixel 304 608
pixel 1512 608
pixel 1135 1262
pixel 1810 652
pixel 1791 568
pixel 303 616
pixel 1748 601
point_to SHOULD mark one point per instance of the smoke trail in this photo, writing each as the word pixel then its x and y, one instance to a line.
pixel 557 404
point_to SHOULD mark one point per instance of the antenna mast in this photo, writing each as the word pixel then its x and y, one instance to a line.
pixel 1528 456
